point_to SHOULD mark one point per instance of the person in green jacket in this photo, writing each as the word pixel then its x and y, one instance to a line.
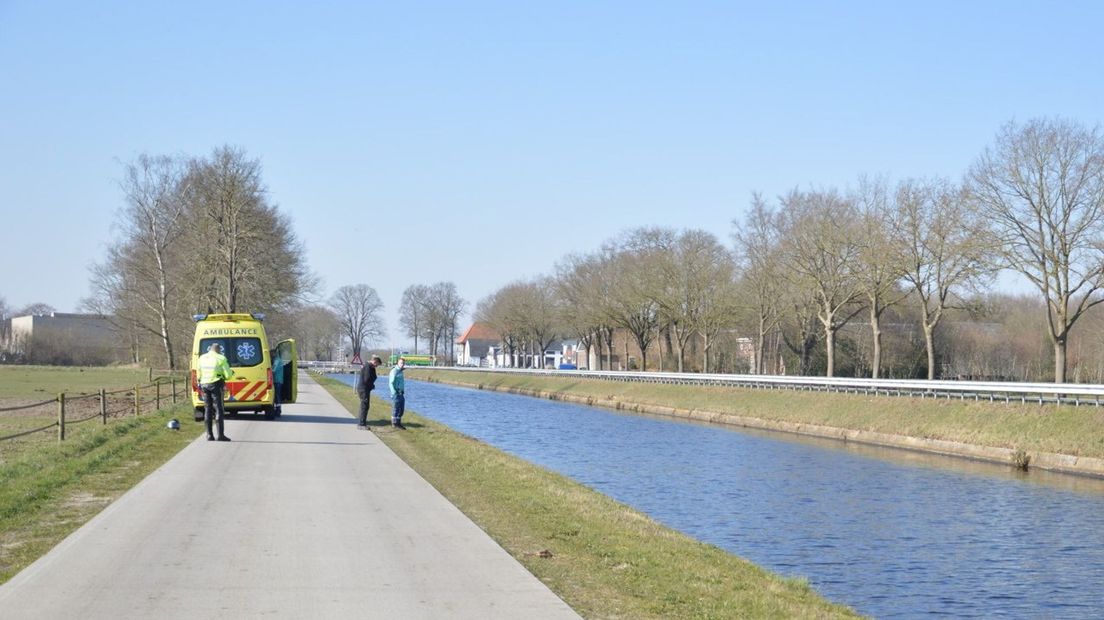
pixel 214 370
pixel 397 383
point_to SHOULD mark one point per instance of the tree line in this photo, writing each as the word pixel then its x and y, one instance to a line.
pixel 877 278
pixel 802 268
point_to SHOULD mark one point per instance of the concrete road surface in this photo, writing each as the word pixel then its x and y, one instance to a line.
pixel 304 517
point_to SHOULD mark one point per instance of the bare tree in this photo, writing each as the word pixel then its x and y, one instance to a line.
pixel 944 247
pixel 1042 187
pixel 580 285
pixel 605 276
pixel 635 277
pixel 251 258
pixel 5 322
pixel 359 309
pixel 757 249
pixel 137 284
pixel 799 326
pixel 879 266
pixel 821 248
pixel 541 311
pixel 573 286
pixel 318 331
pixel 719 307
pixel 502 311
pixel 690 270
pixel 36 309
pixel 412 310
pixel 526 316
pixel 442 309
pixel 433 312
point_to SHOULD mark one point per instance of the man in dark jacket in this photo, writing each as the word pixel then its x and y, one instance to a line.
pixel 366 382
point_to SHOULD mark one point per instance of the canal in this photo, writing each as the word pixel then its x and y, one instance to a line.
pixel 892 533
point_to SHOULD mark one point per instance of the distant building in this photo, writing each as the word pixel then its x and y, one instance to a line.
pixel 475 346
pixel 561 352
pixel 481 346
pixel 61 337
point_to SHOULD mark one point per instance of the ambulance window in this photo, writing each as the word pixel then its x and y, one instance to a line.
pixel 238 351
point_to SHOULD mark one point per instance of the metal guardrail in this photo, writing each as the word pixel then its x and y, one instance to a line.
pixel 326 366
pixel 993 391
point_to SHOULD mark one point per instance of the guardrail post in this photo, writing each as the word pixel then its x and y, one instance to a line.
pixel 103 405
pixel 137 403
pixel 61 416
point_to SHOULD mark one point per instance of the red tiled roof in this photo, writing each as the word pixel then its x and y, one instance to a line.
pixel 478 331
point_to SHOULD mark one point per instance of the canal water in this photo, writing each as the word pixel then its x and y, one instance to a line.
pixel 893 534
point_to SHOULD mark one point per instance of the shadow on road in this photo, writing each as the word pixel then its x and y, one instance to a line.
pixel 305 443
pixel 317 419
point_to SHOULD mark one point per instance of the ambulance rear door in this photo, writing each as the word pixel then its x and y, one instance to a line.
pixel 289 387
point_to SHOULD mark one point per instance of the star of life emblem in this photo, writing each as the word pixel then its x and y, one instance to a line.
pixel 246 350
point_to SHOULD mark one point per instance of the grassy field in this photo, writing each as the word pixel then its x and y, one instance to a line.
pixel 1064 429
pixel 50 488
pixel 34 383
pixel 607 560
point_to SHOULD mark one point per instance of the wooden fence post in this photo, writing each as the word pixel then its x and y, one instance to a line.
pixel 173 381
pixel 157 399
pixel 103 405
pixel 61 416
pixel 150 374
pixel 137 403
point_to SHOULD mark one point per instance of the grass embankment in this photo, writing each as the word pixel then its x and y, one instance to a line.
pixel 1058 429
pixel 48 488
pixel 608 560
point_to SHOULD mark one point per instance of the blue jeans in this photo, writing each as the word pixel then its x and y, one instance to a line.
pixel 398 407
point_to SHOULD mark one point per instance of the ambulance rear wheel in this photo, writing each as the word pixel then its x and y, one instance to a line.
pixel 270 413
pixel 198 415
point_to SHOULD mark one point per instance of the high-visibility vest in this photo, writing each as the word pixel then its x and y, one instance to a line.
pixel 213 366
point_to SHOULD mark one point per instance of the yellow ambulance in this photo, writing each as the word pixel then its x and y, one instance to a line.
pixel 253 386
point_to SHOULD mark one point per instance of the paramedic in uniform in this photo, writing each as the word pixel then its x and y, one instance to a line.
pixel 213 373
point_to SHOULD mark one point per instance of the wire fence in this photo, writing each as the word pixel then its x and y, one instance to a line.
pixel 67 409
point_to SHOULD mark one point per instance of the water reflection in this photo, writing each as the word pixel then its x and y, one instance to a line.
pixel 895 534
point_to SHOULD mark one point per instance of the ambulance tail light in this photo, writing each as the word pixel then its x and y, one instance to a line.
pixel 195 382
pixel 270 379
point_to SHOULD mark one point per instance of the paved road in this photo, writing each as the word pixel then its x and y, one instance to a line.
pixel 305 517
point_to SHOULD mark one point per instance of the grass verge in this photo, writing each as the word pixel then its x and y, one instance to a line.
pixel 607 560
pixel 1059 429
pixel 49 491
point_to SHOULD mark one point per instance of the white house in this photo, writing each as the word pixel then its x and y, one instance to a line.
pixel 475 346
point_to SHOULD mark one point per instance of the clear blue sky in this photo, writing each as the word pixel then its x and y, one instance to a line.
pixel 413 142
